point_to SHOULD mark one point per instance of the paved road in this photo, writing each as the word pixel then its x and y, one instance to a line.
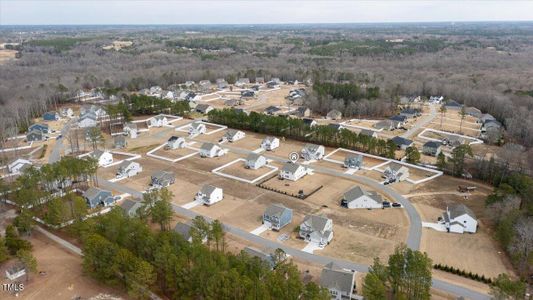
pixel 300 255
pixel 55 155
pixel 422 122
pixel 415 228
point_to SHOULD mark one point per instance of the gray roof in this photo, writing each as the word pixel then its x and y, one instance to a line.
pixel 163 175
pixel 97 153
pixel 453 103
pixel 208 146
pixel 231 132
pixel 395 166
pixel 317 223
pixel 334 277
pixel 202 107
pixel 125 164
pixel 93 192
pixel 432 144
pixel 275 210
pixel 367 132
pixel 183 229
pixel 119 139
pixel 290 167
pixel 400 141
pixel 130 206
pixel 459 210
pixel 253 157
pixel 357 192
pixel 270 138
pixel 196 124
pixel 312 147
pixel 208 189
pixel 260 254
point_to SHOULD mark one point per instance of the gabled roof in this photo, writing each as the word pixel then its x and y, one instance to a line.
pixel 253 252
pixel 202 107
pixel 334 277
pixel 208 146
pixel 459 210
pixel 432 144
pixel 270 139
pixel 308 121
pixel 98 153
pixel 384 124
pixel 184 230
pixel 272 109
pixel 316 223
pixel 232 132
pixel 453 103
pixel 398 118
pixel 275 210
pixel 312 147
pixel 396 167
pixel 125 164
pixel 196 125
pixel 93 192
pixel 400 141
pixel 162 175
pixel 208 189
pixel 128 205
pixel 291 167
pixel 367 132
pixel 253 157
pixel 357 192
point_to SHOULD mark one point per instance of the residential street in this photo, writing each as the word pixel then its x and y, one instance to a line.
pixel 55 155
pixel 422 122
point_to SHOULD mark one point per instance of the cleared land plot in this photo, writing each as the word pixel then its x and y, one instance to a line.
pixel 237 170
pixel 451 127
pixel 175 154
pixel 64 278
pixel 438 135
pixel 369 162
pixel 478 252
pixel 416 174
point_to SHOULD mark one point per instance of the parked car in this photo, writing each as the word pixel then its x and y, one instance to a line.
pixel 396 204
pixel 386 204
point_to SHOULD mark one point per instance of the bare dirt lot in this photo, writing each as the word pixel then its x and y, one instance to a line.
pixel 64 277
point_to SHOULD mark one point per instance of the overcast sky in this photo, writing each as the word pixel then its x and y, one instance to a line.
pixel 44 12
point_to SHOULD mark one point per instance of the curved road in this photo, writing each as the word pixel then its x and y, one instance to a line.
pixel 422 123
pixel 301 255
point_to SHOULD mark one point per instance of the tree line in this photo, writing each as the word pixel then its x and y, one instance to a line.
pixel 125 252
pixel 295 128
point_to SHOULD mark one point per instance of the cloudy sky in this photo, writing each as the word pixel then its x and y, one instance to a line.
pixel 44 12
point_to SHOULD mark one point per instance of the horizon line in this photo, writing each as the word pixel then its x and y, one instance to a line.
pixel 262 24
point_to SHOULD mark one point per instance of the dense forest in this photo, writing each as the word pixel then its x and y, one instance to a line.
pixel 487 65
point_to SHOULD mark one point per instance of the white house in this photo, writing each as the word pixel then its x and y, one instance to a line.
pixel 197 128
pixel 357 197
pixel 211 150
pixel 104 158
pixel 16 271
pixel 87 120
pixel 292 172
pixel 339 282
pixel 459 219
pixel 131 130
pixel 18 165
pixel 270 143
pixel 233 135
pixel 255 161
pixel 317 229
pixel 128 168
pixel 175 142
pixel 157 121
pixel 67 112
pixel 436 99
pixel 204 108
pixel 313 152
pixel 396 172
pixel 209 195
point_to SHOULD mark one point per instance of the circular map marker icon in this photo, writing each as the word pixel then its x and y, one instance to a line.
pixel 294 156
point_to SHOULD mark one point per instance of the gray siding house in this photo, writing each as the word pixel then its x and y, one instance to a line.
pixel 95 196
pixel 277 216
pixel 162 179
pixel 339 282
pixel 432 148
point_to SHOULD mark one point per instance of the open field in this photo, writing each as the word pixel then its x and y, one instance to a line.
pixel 63 277
pixel 6 55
